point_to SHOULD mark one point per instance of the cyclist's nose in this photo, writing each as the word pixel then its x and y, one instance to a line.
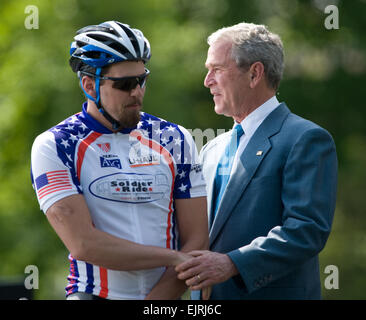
pixel 137 91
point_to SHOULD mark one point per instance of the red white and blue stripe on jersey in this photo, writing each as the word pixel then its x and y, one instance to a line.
pixel 73 137
pixel 74 282
pixel 81 126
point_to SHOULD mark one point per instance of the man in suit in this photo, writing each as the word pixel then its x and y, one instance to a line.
pixel 271 197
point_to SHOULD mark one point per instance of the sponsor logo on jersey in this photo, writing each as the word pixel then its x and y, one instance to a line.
pixel 131 187
pixel 106 147
pixel 108 162
pixel 140 155
pixel 144 160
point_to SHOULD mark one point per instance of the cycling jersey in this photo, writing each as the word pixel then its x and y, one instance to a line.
pixel 129 180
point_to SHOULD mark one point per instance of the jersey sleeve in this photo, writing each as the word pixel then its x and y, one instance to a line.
pixel 51 177
pixel 189 181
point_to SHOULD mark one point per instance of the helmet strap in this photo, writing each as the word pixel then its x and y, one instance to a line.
pixel 115 124
pixel 82 87
pixel 97 85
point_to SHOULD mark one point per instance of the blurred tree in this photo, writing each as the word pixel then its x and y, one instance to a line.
pixel 323 81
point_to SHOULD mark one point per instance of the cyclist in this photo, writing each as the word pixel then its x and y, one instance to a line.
pixel 122 188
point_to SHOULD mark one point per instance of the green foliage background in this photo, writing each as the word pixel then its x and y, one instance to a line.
pixel 324 81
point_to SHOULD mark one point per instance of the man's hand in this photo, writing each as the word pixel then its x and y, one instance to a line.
pixel 166 287
pixel 205 269
pixel 193 234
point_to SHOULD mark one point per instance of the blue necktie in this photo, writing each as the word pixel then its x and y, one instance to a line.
pixel 225 165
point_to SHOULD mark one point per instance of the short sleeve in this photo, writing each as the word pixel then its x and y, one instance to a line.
pixel 51 178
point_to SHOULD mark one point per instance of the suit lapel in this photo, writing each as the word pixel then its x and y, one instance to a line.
pixel 257 148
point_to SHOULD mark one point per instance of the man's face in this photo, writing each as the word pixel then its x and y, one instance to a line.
pixel 227 83
pixel 124 106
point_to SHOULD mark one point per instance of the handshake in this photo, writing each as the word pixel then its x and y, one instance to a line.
pixel 201 269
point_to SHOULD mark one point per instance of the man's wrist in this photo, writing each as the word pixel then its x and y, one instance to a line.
pixel 178 257
pixel 233 271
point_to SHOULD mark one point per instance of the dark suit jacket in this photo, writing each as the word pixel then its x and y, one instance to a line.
pixel 277 210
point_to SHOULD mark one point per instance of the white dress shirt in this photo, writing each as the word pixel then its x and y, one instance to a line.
pixel 251 123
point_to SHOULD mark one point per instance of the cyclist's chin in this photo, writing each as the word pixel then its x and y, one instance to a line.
pixel 131 116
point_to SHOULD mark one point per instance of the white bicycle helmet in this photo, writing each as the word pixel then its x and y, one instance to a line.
pixel 107 43
pixel 101 45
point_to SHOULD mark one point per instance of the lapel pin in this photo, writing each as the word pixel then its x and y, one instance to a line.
pixel 259 153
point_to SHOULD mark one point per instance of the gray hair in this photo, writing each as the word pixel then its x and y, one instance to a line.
pixel 252 43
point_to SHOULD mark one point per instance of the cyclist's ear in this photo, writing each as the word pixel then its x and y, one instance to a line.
pixel 88 84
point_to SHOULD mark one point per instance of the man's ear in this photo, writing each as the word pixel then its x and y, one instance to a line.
pixel 88 84
pixel 256 72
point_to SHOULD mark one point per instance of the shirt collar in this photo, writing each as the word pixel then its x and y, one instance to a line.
pixel 251 123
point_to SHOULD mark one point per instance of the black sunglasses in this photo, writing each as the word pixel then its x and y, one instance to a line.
pixel 125 83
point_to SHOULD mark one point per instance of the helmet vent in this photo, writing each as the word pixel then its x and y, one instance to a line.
pixel 132 38
pixel 120 48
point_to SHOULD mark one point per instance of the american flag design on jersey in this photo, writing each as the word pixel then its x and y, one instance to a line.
pixel 53 181
pixel 71 131
pixel 130 193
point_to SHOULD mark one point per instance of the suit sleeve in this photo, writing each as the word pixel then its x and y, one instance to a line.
pixel 308 195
